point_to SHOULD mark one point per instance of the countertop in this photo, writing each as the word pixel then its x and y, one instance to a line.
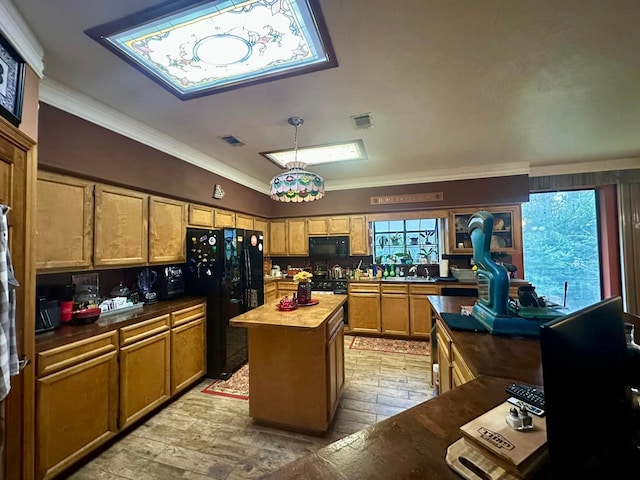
pixel 303 317
pixel 407 279
pixel 72 333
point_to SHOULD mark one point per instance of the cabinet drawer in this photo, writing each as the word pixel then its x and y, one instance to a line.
pixel 134 333
pixel 335 322
pixel 187 314
pixel 56 359
pixel 423 289
pixel 364 288
pixel 395 288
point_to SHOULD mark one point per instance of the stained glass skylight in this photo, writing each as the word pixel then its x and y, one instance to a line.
pixel 198 48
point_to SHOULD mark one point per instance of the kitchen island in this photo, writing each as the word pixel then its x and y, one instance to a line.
pixel 296 363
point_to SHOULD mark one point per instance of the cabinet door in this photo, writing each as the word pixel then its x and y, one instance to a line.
pixel 364 312
pixel 244 221
pixel 506 236
pixel 262 225
pixel 144 376
pixel 317 226
pixel 121 228
pixel 335 370
pixel 167 230
pixel 64 222
pixel 270 292
pixel 359 236
pixel 420 319
pixel 278 238
pixel 77 411
pixel 200 216
pixel 395 313
pixel 298 242
pixel 224 218
pixel 187 354
pixel 339 225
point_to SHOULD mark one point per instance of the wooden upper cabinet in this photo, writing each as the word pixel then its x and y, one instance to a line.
pixel 317 226
pixel 339 225
pixel 297 241
pixel 64 222
pixel 507 230
pixel 278 237
pixel 262 225
pixel 359 236
pixel 244 221
pixel 224 218
pixel 121 231
pixel 167 226
pixel 200 216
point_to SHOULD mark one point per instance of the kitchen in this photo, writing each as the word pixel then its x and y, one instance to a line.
pixel 76 145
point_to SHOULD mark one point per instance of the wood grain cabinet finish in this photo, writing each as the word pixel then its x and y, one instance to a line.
pixel 338 225
pixel 364 307
pixel 443 343
pixel 145 368
pixel 335 363
pixel 270 292
pixel 244 221
pixel 223 218
pixel 188 355
pixel 121 228
pixel 64 222
pixel 420 316
pixel 297 240
pixel 200 216
pixel 167 226
pixel 81 399
pixel 359 235
pixel 278 238
pixel 394 308
pixel 317 226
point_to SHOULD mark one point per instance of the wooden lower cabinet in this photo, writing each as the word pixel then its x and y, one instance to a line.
pixel 335 365
pixel 270 292
pixel 77 402
pixel 188 351
pixel 443 343
pixel 286 287
pixel 420 316
pixel 145 369
pixel 394 307
pixel 364 307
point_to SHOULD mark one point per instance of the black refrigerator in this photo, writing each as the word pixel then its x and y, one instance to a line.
pixel 226 267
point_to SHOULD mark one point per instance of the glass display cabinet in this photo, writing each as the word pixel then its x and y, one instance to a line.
pixel 507 230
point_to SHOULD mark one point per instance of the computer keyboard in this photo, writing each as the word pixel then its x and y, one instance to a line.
pixel 527 394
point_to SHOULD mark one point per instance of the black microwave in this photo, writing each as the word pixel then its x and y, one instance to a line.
pixel 328 246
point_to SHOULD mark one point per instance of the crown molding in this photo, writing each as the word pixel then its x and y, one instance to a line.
pixel 443 175
pixel 20 36
pixel 71 101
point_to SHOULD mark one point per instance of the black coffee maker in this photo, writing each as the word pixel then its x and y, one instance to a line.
pixel 170 283
pixel 47 314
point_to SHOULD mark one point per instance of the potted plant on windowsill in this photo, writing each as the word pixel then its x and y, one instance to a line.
pixel 426 256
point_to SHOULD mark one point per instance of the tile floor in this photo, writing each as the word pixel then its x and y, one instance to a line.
pixel 201 436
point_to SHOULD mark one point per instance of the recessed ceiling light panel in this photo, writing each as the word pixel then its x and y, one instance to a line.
pixel 203 47
pixel 319 154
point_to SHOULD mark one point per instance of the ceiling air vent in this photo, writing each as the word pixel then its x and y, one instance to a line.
pixel 362 121
pixel 233 141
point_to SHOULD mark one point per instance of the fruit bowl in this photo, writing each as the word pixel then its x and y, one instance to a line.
pixel 85 316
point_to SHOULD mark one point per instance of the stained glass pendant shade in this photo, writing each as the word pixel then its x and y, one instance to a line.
pixel 195 48
pixel 297 184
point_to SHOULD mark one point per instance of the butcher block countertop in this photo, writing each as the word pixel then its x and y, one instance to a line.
pixel 311 316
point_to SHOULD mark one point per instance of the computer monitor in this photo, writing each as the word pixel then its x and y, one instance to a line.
pixel 588 411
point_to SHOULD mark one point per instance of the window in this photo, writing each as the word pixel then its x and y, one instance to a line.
pixel 560 244
pixel 406 241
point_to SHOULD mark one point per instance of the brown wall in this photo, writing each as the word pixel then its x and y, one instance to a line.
pixel 72 145
pixel 459 193
pixel 76 146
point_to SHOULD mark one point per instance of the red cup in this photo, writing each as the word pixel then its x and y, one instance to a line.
pixel 66 309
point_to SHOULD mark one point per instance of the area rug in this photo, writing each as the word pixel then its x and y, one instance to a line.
pixel 412 347
pixel 235 387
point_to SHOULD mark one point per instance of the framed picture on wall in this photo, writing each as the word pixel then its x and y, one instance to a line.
pixel 12 70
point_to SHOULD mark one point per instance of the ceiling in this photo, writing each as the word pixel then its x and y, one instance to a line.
pixel 456 89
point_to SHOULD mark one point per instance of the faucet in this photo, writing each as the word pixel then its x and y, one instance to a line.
pixel 413 270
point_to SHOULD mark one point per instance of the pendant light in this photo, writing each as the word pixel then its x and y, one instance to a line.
pixel 297 184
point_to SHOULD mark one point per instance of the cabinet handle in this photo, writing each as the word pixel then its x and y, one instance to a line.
pixel 22 363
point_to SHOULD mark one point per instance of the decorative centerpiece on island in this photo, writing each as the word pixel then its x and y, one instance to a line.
pixel 303 279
